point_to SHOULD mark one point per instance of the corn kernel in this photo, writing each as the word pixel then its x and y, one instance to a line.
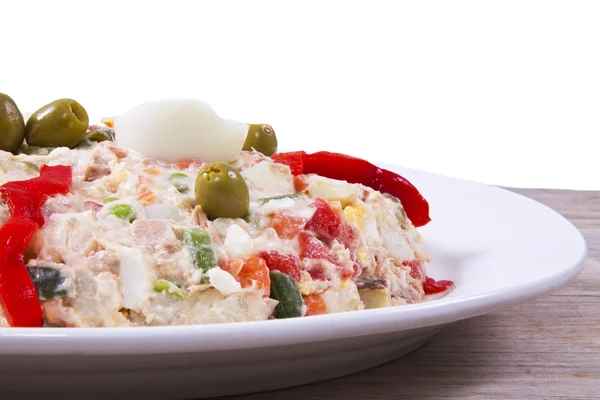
pixel 356 216
pixel 362 256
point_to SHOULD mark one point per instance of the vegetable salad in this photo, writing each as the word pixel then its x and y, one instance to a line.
pixel 127 239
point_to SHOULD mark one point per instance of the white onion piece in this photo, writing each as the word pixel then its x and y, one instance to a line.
pixel 180 129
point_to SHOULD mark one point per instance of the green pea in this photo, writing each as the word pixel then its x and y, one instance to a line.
pixel 109 199
pixel 168 287
pixel 177 175
pixel 180 186
pixel 123 211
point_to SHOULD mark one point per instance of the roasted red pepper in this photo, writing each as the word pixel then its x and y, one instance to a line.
pixel 431 286
pixel 327 225
pixel 18 296
pixel 285 263
pixel 355 170
pixel 26 198
pixel 311 247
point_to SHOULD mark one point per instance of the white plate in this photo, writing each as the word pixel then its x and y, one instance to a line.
pixel 502 249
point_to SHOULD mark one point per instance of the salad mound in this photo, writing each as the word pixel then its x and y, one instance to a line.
pixel 94 233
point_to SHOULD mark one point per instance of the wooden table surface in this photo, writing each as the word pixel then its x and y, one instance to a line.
pixel 546 349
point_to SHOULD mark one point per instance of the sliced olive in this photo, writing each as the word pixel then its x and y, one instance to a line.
pixel 48 282
pixel 62 123
pixel 35 150
pixel 222 191
pixel 100 135
pixel 12 127
pixel 261 137
pixel 285 291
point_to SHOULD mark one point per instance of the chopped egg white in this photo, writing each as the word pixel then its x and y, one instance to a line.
pixel 223 281
pixel 179 129
pixel 238 242
pixel 135 274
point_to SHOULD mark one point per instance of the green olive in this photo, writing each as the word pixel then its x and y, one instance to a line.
pixel 100 135
pixel 62 123
pixel 222 192
pixel 12 127
pixel 261 137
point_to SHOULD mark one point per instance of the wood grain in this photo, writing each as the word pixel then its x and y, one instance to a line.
pixel 546 349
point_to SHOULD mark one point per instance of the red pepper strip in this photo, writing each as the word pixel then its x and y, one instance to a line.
pixel 293 159
pixel 327 225
pixel 355 170
pixel 18 296
pixel 311 247
pixel 25 198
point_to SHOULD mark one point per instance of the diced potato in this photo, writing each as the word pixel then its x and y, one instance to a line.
pixel 333 190
pixel 375 298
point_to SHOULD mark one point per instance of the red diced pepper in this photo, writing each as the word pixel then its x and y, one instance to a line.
pixel 431 286
pixel 416 269
pixel 328 225
pixel 294 160
pixel 284 263
pixel 311 247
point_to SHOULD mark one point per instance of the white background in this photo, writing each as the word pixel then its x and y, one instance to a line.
pixel 502 92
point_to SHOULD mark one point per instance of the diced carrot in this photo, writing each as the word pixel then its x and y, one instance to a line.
pixel 255 270
pixel 152 171
pixel 117 152
pixel 300 183
pixel 147 197
pixel 287 226
pixel 110 122
pixel 315 304
pixel 231 265
pixel 187 163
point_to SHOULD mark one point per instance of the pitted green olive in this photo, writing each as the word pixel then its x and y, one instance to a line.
pixel 261 137
pixel 62 123
pixel 222 192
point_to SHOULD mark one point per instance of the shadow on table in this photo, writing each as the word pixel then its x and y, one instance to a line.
pixel 431 372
